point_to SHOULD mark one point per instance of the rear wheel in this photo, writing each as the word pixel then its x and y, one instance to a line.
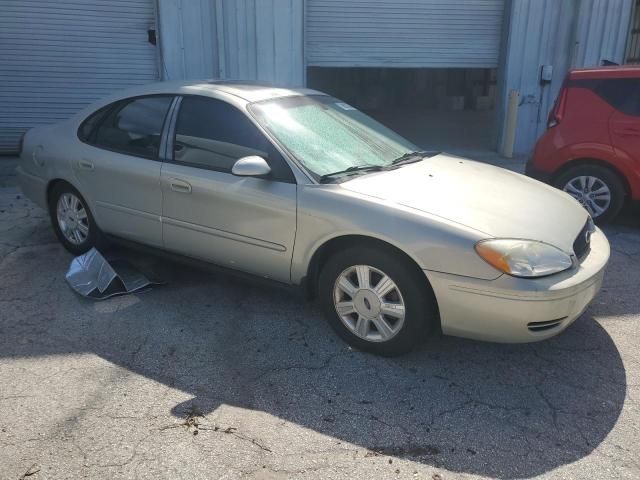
pixel 72 220
pixel 376 301
pixel 599 190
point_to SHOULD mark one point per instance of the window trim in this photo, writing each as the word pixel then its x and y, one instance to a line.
pixel 110 108
pixel 166 142
pixel 171 131
pixel 167 155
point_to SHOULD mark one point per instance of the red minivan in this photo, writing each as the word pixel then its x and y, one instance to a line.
pixel 591 148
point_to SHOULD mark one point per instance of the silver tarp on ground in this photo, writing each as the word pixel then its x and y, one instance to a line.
pixel 92 276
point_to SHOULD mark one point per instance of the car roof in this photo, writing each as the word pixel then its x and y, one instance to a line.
pixel 615 71
pixel 243 90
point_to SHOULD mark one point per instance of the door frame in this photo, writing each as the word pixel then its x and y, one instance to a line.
pixel 166 157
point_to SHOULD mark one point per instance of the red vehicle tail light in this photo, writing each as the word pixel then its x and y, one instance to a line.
pixel 555 115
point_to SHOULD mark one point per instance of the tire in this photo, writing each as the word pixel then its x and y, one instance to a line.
pixel 594 178
pixel 391 335
pixel 72 219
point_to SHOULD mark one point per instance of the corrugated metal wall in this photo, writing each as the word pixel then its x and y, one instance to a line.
pixel 602 31
pixel 58 56
pixel 407 33
pixel 632 55
pixel 187 39
pixel 564 34
pixel 233 39
pixel 264 40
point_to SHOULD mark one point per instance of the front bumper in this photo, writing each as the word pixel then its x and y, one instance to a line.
pixel 512 310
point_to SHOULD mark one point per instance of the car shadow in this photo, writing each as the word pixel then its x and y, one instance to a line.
pixel 504 411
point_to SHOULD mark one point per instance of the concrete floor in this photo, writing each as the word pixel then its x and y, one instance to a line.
pixel 213 377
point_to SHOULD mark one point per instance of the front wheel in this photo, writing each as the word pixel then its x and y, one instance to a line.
pixel 599 190
pixel 376 301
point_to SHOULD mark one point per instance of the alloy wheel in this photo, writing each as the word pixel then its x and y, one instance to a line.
pixel 72 218
pixel 369 303
pixel 591 192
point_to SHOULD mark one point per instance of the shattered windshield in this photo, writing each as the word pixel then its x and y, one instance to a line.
pixel 327 135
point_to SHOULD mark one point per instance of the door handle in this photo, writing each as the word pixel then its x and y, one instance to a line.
pixel 85 165
pixel 179 186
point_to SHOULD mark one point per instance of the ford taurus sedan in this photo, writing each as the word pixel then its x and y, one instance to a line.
pixel 301 188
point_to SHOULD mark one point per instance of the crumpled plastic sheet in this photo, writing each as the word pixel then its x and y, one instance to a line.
pixel 92 276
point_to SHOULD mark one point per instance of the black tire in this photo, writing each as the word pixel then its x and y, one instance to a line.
pixel 604 175
pixel 94 237
pixel 419 301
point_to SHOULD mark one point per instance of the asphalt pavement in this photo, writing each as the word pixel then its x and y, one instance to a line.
pixel 210 376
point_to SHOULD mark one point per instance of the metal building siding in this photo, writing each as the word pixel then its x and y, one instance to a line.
pixel 58 56
pixel 404 33
pixel 566 34
pixel 233 39
pixel 602 31
pixel 187 30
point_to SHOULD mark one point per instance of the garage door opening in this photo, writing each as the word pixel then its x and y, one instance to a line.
pixel 447 109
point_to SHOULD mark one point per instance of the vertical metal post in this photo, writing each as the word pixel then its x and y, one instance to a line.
pixel 511 123
pixel 220 32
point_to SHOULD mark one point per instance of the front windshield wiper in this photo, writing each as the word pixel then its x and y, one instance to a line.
pixel 355 168
pixel 412 157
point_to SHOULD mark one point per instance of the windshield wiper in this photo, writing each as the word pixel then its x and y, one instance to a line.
pixel 412 157
pixel 355 168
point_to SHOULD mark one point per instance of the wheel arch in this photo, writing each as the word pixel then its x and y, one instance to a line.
pixel 583 161
pixel 335 244
pixel 63 181
pixel 51 185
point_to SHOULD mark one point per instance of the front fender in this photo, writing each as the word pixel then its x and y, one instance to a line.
pixel 326 212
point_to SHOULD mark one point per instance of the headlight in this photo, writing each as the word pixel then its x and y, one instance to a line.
pixel 523 258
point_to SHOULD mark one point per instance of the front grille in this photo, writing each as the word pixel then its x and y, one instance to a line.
pixel 543 326
pixel 582 243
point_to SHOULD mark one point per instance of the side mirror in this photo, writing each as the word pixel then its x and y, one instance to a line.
pixel 251 166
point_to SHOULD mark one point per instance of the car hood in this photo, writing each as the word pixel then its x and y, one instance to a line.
pixel 492 200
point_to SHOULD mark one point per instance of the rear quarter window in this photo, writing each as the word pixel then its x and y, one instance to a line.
pixel 623 94
pixel 132 127
pixel 88 127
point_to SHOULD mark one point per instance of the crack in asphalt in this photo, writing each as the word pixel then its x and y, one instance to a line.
pixel 193 423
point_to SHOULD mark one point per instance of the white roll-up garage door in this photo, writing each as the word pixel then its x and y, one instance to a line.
pixel 56 56
pixel 404 33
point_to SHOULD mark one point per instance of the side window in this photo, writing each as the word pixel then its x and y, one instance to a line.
pixel 87 128
pixel 622 94
pixel 213 134
pixel 134 126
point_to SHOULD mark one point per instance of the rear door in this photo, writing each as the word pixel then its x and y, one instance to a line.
pixel 624 123
pixel 208 213
pixel 119 168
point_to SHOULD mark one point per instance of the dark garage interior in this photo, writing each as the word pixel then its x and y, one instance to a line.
pixel 449 109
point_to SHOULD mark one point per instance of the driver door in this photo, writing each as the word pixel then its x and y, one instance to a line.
pixel 208 213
